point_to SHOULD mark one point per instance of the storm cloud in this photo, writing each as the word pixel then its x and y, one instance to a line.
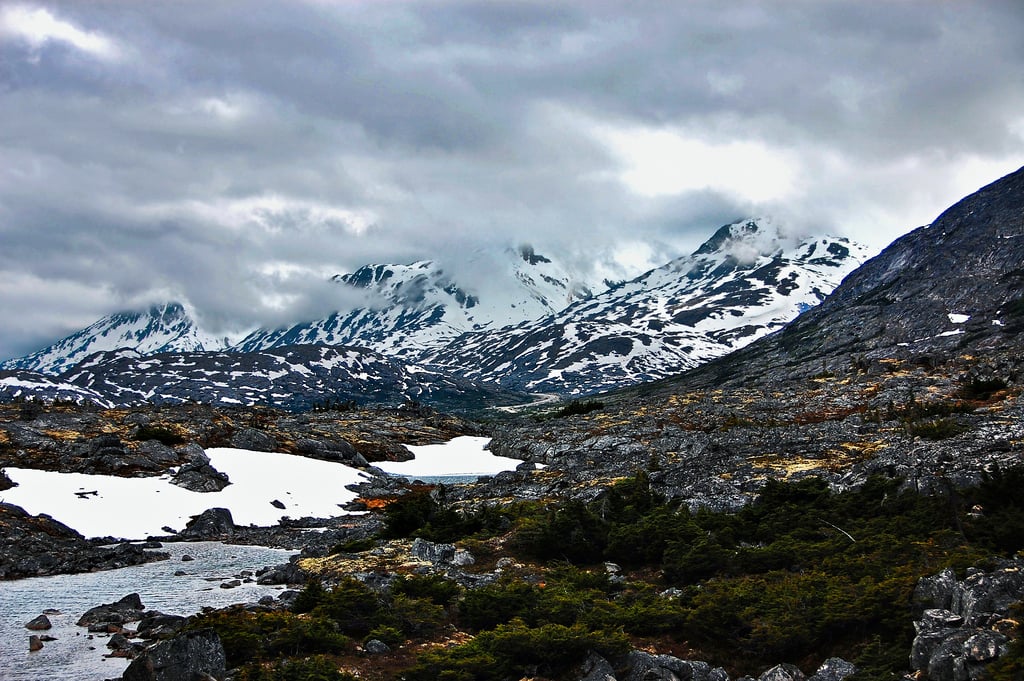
pixel 234 155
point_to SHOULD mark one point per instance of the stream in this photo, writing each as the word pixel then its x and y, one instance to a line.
pixel 77 655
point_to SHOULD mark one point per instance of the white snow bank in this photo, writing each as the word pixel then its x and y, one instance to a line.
pixel 461 456
pixel 138 507
pixel 958 318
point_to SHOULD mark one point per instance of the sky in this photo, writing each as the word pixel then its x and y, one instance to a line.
pixel 233 155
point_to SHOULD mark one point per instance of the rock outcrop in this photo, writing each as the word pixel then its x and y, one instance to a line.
pixel 33 546
pixel 213 523
pixel 959 624
pixel 185 657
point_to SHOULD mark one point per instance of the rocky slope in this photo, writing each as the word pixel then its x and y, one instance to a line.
pixel 950 289
pixel 295 377
pixel 745 282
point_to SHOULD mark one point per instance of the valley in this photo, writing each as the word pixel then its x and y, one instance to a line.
pixel 835 498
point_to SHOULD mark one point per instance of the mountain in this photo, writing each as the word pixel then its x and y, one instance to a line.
pixel 408 310
pixel 18 384
pixel 743 283
pixel 421 307
pixel 161 328
pixel 953 290
pixel 294 377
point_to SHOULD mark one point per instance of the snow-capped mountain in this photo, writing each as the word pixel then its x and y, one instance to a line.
pixel 420 307
pixel 293 377
pixel 161 328
pixel 743 283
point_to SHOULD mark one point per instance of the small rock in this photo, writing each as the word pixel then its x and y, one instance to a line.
pixel 277 504
pixel 231 584
pixel 462 558
pixel 376 647
pixel 185 558
pixel 41 623
pixel 34 644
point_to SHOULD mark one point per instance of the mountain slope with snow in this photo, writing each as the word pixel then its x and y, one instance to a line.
pixel 161 328
pixel 419 307
pixel 745 282
pixel 293 377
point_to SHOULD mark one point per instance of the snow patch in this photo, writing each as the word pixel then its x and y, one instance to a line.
pixel 461 456
pixel 135 508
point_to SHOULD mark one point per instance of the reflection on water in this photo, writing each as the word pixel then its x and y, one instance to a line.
pixel 70 656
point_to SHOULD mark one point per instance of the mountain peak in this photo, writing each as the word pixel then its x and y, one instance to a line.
pixel 750 236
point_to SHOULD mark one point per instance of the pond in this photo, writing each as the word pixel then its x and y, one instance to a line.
pixel 76 656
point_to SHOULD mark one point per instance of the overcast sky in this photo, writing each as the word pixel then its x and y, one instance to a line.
pixel 235 154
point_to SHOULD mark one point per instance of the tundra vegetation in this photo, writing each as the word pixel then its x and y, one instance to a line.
pixel 800 575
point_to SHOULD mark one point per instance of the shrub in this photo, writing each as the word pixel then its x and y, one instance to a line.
pixel 577 408
pixel 164 434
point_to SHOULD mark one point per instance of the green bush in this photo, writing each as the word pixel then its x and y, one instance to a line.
pixel 515 650
pixel 433 588
pixel 315 668
pixel 577 408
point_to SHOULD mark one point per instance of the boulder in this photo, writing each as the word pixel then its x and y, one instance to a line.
pixel 128 609
pixel 432 552
pixel 213 523
pixel 782 672
pixel 159 625
pixel 376 647
pixel 834 669
pixel 200 478
pixel 644 666
pixel 183 658
pixel 34 644
pixel 335 450
pixel 596 668
pixel 41 623
pixel 254 440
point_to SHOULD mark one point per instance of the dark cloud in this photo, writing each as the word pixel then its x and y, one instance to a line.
pixel 234 154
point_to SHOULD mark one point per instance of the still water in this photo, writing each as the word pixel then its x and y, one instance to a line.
pixel 74 656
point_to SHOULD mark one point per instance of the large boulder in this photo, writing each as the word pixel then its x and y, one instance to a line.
pixel 128 609
pixel 182 658
pixel 213 523
pixel 197 475
pixel 254 440
pixel 954 639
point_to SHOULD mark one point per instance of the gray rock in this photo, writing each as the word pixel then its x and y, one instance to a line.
pixel 158 625
pixel 463 558
pixel 985 646
pixel 200 477
pixel 596 668
pixel 834 669
pixel 782 672
pixel 212 523
pixel 182 658
pixel 128 609
pixel 936 591
pixel 947 662
pixel 431 552
pixel 40 623
pixel 644 666
pixel 254 440
pixel 376 647
pixel 34 643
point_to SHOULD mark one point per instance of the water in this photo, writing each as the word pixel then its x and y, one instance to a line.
pixel 69 657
